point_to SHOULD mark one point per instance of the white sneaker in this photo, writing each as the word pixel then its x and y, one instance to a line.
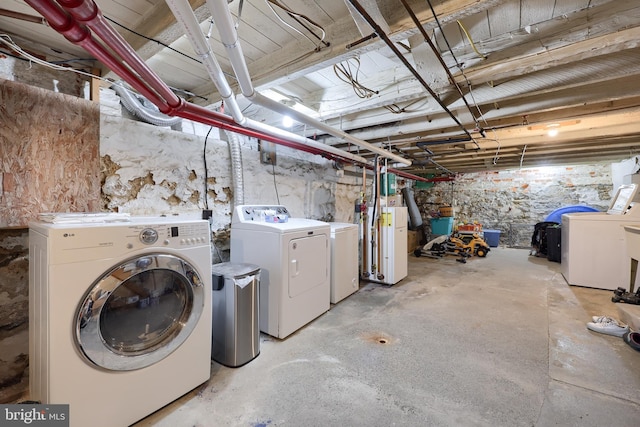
pixel 602 319
pixel 609 328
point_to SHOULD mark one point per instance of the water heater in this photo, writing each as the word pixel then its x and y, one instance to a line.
pixel 387 245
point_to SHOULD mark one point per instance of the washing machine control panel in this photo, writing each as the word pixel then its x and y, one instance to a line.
pixel 173 235
pixel 148 236
pixel 272 214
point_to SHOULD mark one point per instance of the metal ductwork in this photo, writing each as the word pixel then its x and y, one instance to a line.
pixel 139 107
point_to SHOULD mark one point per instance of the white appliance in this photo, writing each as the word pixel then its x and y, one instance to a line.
pixel 119 316
pixel 388 260
pixel 294 257
pixel 632 238
pixel 344 261
pixel 593 248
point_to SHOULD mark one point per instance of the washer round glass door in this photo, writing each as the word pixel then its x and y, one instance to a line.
pixel 139 312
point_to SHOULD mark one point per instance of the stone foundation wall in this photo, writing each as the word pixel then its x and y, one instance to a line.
pixel 514 201
pixel 14 313
pixel 149 170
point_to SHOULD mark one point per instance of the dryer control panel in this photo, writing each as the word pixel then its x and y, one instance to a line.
pixel 261 213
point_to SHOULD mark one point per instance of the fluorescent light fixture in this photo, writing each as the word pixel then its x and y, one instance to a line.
pixel 287 121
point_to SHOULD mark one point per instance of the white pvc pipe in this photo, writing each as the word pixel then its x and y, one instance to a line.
pixel 189 23
pixel 183 13
pixel 278 107
pixel 229 36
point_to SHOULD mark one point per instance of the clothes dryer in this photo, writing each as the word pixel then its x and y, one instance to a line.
pixel 344 260
pixel 120 316
pixel 294 257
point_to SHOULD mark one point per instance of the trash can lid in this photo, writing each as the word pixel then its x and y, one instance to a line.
pixel 234 269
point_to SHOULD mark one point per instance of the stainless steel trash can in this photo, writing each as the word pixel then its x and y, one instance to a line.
pixel 235 305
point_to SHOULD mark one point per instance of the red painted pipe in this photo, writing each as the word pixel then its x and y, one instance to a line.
pixel 87 12
pixel 149 84
pixel 63 23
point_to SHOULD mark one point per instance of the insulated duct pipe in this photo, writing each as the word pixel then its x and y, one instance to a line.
pixel 236 168
pixel 66 25
pixel 133 104
pixel 181 9
pixel 224 23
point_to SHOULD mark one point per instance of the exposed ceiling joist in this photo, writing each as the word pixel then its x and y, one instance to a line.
pixel 518 62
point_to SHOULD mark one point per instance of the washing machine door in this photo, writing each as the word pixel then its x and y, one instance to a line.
pixel 139 312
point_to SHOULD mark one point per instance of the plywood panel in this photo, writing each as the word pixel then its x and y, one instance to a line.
pixel 49 153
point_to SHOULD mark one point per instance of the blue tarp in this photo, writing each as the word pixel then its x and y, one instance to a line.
pixel 556 216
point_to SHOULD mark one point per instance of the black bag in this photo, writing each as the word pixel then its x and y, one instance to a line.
pixel 539 238
pixel 554 242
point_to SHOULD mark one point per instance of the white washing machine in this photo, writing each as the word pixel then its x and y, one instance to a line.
pixel 119 316
pixel 294 258
pixel 344 260
pixel 593 249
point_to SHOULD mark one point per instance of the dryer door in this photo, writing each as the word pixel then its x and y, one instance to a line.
pixel 307 263
pixel 139 312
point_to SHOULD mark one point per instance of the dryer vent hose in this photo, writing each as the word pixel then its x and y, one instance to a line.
pixel 415 218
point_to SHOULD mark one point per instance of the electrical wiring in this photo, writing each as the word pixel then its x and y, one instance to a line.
pixel 496 157
pixel 152 40
pixel 466 33
pixel 7 41
pixel 459 66
pixel 395 109
pixel 344 72
pixel 362 11
pixel 206 172
pixel 497 141
pixel 25 56
pixel 275 184
pixel 297 17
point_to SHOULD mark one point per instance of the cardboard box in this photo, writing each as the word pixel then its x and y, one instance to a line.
pixel 413 240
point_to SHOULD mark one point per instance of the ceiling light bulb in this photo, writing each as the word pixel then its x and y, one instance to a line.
pixel 287 121
pixel 552 132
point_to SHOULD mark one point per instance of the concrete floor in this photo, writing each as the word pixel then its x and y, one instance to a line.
pixel 498 341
